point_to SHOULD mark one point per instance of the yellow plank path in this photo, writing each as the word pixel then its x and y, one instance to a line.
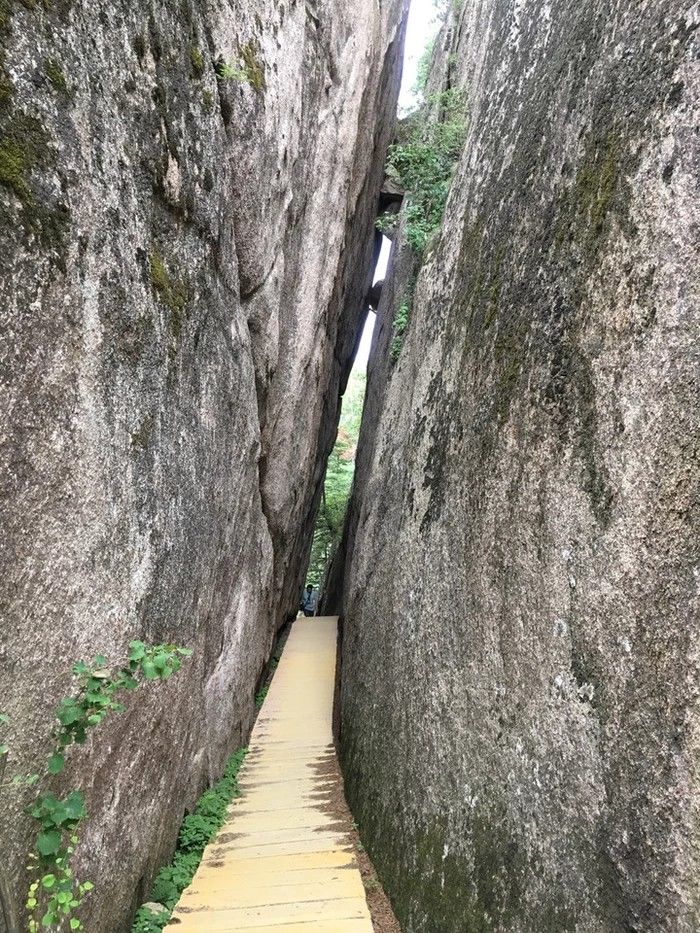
pixel 284 862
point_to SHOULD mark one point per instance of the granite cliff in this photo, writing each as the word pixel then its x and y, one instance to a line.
pixel 519 716
pixel 187 199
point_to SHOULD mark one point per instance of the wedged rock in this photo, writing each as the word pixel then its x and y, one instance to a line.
pixel 187 197
pixel 520 674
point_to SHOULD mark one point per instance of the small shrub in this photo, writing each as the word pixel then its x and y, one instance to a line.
pixel 423 70
pixel 424 164
pixel 387 223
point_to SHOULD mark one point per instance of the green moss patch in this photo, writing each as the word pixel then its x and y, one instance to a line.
pixel 594 191
pixel 208 101
pixel 56 77
pixel 174 293
pixel 197 61
pixel 6 87
pixel 253 68
pixel 23 148
pixel 5 16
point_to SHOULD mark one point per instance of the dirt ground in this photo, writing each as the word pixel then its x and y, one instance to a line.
pixel 383 918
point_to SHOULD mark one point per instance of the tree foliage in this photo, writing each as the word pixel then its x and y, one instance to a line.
pixel 338 482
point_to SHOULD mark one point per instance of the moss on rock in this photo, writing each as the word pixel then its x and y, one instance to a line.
pixel 252 66
pixel 56 77
pixel 174 293
pixel 197 61
pixel 24 146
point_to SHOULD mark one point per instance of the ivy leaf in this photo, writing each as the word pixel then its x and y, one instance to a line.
pixel 149 670
pixel 100 661
pixel 48 881
pixel 160 660
pixel 80 668
pixel 79 735
pixel 4 719
pixel 75 923
pixel 48 842
pixel 75 805
pixel 137 650
pixel 68 712
pixel 57 763
pixel 95 698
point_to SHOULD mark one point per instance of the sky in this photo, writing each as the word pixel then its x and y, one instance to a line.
pixel 422 25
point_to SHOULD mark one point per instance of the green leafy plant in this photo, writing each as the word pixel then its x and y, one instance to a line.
pixel 261 696
pixel 400 326
pixel 423 68
pixel 196 832
pixel 228 71
pixel 55 895
pixel 423 165
pixel 387 223
pixel 246 70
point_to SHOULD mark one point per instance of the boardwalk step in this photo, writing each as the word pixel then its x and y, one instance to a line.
pixel 283 862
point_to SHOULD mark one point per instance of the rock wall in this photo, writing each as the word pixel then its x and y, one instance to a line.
pixel 520 725
pixel 183 259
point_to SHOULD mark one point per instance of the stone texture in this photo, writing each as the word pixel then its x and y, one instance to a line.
pixel 520 676
pixel 183 262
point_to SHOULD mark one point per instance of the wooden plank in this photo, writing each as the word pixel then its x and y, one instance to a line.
pixel 283 862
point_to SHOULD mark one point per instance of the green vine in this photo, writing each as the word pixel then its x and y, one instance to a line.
pixel 55 895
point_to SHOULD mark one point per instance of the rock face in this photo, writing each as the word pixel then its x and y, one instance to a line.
pixel 520 724
pixel 184 259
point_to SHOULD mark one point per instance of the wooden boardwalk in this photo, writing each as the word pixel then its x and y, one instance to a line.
pixel 284 861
